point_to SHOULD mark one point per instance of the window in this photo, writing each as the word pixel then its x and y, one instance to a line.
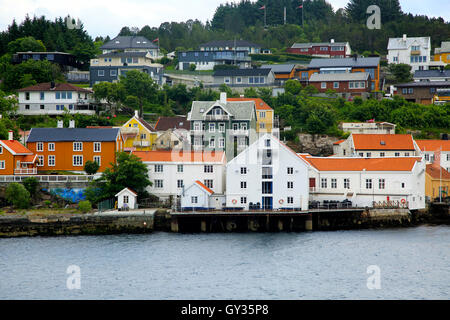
pixel 397 154
pixel 226 80
pixel 51 147
pixel 243 170
pixel 27 107
pixel 208 183
pixel 235 126
pixel 335 85
pixel 159 168
pixel 346 183
pixel 333 183
pixel 406 154
pixel 42 95
pixel 262 125
pixel 78 146
pixel 208 169
pixel 221 143
pixel 212 127
pixel 212 143
pixel 40 146
pixel 368 154
pixel 42 107
pixel 290 170
pixel 290 185
pixel 368 183
pixel 180 184
pixel 40 161
pixel 101 73
pixel 410 90
pixel 238 80
pixel 113 73
pixel 382 154
pixel 1 149
pixel 194 200
pixel 290 200
pixel 51 161
pixel 267 172
pixel 97 146
pixel 381 183
pixel 323 85
pixel 2 164
pixel 403 185
pixel 267 143
pixel 27 96
pixel 323 183
pixel 125 199
pixel 77 160
pixel 243 200
pixel 158 184
pixel 180 168
pixel 221 127
pixel 427 157
pixel 243 184
pixel 262 114
pixel 197 126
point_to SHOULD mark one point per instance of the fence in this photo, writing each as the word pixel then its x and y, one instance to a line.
pixel 390 205
pixel 107 204
pixel 49 178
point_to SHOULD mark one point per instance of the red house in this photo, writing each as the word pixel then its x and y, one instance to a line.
pixel 322 49
pixel 353 83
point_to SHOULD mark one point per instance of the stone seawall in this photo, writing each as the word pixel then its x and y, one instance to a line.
pixel 88 224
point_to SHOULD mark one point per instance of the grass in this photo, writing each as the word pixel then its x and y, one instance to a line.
pixel 42 212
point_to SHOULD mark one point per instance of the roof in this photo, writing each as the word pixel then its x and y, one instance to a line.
pixel 230 43
pixel 432 74
pixel 146 124
pixel 316 44
pixel 437 172
pixel 433 145
pixel 124 54
pixel 204 187
pixel 127 189
pixel 259 103
pixel 383 142
pixel 361 164
pixel 338 142
pixel 354 76
pixel 345 62
pixel 399 44
pixel 242 72
pixel 129 42
pixel 46 86
pixel 177 122
pixel 279 68
pixel 240 110
pixel 424 84
pixel 31 158
pixel 445 47
pixel 15 147
pixel 180 156
pixel 73 134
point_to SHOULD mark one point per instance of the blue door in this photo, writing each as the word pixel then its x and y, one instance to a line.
pixel 267 203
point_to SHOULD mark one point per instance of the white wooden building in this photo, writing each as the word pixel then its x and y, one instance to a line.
pixel 126 199
pixel 415 51
pixel 199 196
pixel 267 174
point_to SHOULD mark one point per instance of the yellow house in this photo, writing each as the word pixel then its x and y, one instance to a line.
pixel 443 53
pixel 436 180
pixel 264 114
pixel 138 134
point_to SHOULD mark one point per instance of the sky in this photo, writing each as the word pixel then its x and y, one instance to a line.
pixel 107 17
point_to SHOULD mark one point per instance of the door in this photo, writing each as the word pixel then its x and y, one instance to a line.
pixel 267 203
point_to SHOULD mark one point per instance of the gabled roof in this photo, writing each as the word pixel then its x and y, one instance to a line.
pixel 345 62
pixel 242 72
pixel 125 54
pixel 126 189
pixel 445 47
pixel 432 74
pixel 240 110
pixel 46 86
pixel 338 142
pixel 399 44
pixel 73 134
pixel 129 42
pixel 144 123
pixel 433 145
pixel 351 76
pixel 316 44
pixel 259 103
pixel 367 164
pixel 426 84
pixel 230 43
pixel 201 185
pixel 279 68
pixel 181 156
pixel 15 147
pixel 383 141
pixel 177 122
pixel 435 171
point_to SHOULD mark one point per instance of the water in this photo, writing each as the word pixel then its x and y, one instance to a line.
pixel 414 264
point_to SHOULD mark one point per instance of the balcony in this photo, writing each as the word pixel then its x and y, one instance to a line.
pixel 141 143
pixel 25 171
pixel 415 52
pixel 129 130
pixel 198 132
pixel 240 132
pixel 217 117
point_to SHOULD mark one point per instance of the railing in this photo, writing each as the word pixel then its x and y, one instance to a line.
pixel 218 117
pixel 240 132
pixel 25 171
pixel 49 178
pixel 312 189
pixel 129 130
pixel 141 143
pixel 391 204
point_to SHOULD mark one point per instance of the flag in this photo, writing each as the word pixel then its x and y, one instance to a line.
pixel 262 8
pixel 300 7
pixel 156 40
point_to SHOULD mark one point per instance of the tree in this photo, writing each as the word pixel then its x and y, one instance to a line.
pixel 140 85
pixel 293 86
pixel 390 10
pixel 26 44
pixel 18 195
pixel 401 72
pixel 113 93
pixel 91 167
pixel 84 206
pixel 31 184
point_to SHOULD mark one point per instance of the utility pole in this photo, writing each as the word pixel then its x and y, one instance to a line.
pixel 284 15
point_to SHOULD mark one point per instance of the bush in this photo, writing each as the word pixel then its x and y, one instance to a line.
pixel 91 167
pixel 192 67
pixel 18 195
pixel 84 206
pixel 31 184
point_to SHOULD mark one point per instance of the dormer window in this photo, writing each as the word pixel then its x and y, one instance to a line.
pixel 202 110
pixel 383 143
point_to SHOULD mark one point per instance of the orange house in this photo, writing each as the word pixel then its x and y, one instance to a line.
pixel 68 149
pixel 15 159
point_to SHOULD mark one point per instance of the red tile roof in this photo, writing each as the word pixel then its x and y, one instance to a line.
pixel 433 145
pixel 383 141
pixel 16 147
pixel 46 86
pixel 204 187
pixel 259 103
pixel 360 164
pixel 180 156
pixel 437 172
pixel 31 158
pixel 338 142
pixel 177 122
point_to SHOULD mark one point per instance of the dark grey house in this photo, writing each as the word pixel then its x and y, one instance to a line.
pixel 66 61
pixel 256 77
pixel 206 60
pixel 131 43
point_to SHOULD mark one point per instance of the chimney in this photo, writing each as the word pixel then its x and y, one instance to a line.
pixel 136 113
pixel 60 124
pixel 52 85
pixel 242 96
pixel 404 37
pixel 10 135
pixel 332 41
pixel 72 124
pixel 223 97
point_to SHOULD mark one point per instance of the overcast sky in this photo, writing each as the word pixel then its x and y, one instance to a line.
pixel 107 17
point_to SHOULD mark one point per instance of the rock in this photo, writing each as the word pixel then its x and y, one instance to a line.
pixel 316 145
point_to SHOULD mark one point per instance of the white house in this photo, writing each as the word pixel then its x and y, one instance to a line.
pixel 170 171
pixel 434 149
pixel 126 199
pixel 415 51
pixel 267 174
pixel 199 196
pixel 364 181
pixel 368 127
pixel 54 98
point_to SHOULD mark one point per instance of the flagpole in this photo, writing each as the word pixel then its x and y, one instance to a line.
pixel 265 17
pixel 440 176
pixel 302 13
